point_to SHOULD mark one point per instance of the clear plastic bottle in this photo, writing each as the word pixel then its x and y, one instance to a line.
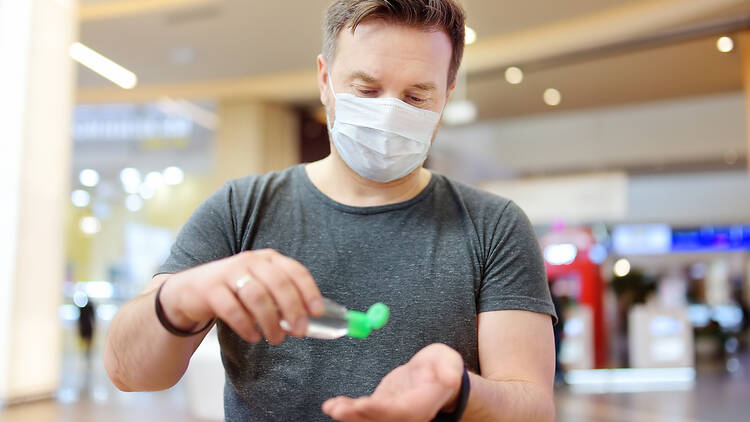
pixel 337 321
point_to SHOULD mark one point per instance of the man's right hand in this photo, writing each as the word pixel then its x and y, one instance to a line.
pixel 273 287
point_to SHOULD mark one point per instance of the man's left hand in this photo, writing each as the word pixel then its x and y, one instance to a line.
pixel 413 392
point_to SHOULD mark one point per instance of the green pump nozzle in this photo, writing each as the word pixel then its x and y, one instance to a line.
pixel 361 324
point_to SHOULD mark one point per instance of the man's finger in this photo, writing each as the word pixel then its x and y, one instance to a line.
pixel 233 313
pixel 284 293
pixel 304 282
pixel 346 409
pixel 259 303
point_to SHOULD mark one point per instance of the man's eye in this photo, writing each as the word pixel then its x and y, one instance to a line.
pixel 366 91
pixel 416 100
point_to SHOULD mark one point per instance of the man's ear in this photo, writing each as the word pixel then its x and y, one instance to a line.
pixel 323 79
pixel 450 91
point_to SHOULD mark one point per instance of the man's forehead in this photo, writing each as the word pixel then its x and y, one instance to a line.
pixel 378 52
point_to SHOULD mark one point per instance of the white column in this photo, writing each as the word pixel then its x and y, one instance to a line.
pixel 36 82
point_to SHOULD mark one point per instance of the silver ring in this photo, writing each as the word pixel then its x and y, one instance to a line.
pixel 241 282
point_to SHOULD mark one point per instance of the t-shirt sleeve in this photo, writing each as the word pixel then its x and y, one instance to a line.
pixel 514 274
pixel 208 234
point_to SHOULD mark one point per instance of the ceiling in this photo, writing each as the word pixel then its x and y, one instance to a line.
pixel 242 38
pixel 690 68
pixel 234 38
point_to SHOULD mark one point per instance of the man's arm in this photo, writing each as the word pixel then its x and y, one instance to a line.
pixel 134 340
pixel 517 361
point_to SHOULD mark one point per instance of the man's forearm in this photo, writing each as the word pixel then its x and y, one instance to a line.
pixel 506 401
pixel 140 355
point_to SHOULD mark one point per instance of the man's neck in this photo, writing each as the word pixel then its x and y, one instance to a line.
pixel 337 181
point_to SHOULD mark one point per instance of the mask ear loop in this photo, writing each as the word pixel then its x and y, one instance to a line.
pixel 330 85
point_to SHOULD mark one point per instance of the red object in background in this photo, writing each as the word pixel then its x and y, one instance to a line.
pixel 582 268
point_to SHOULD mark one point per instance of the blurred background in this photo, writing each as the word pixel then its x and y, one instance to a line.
pixel 619 126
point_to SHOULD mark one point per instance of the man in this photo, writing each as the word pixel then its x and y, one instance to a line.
pixel 460 268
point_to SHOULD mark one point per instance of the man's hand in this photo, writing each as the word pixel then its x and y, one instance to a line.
pixel 271 286
pixel 413 392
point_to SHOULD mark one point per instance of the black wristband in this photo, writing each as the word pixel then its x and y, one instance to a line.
pixel 461 401
pixel 168 325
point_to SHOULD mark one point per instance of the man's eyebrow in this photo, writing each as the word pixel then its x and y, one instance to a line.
pixel 364 77
pixel 425 86
pixel 367 78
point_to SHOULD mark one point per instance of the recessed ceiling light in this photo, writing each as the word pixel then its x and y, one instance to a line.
pixel 173 175
pixel 514 75
pixel 471 35
pixel 155 180
pixel 725 44
pixel 622 267
pixel 80 198
pixel 146 191
pixel 90 225
pixel 131 179
pixel 88 178
pixel 552 97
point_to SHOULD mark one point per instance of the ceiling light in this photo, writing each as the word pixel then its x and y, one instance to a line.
pixel 622 267
pixel 562 254
pixel 133 203
pixel 103 66
pixel 470 35
pixel 552 97
pixel 90 225
pixel 146 191
pixel 88 178
pixel 514 75
pixel 131 179
pixel 725 44
pixel 173 175
pixel 80 198
pixel 154 180
pixel 188 110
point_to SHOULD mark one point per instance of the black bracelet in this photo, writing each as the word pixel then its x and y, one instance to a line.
pixel 462 401
pixel 168 325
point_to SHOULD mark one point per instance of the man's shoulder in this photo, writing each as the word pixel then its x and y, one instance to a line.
pixel 271 179
pixel 474 199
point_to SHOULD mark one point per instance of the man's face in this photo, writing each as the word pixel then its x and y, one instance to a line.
pixel 386 60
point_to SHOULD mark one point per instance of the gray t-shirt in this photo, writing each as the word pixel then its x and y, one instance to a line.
pixel 437 260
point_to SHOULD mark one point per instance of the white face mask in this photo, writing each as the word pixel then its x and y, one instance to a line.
pixel 381 139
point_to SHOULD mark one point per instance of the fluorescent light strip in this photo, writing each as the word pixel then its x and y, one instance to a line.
pixel 186 109
pixel 103 66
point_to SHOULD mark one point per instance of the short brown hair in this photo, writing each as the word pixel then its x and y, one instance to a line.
pixel 443 15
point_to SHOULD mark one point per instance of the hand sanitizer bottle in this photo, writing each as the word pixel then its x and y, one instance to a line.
pixel 337 321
